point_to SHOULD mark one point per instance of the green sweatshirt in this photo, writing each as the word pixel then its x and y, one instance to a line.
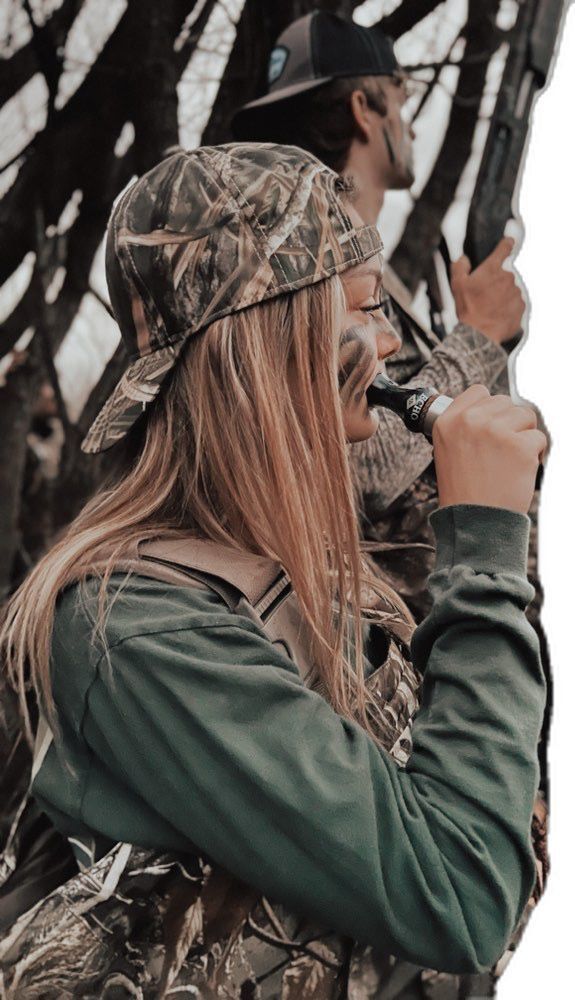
pixel 196 732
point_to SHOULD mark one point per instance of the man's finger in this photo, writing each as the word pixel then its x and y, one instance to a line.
pixel 502 251
pixel 460 268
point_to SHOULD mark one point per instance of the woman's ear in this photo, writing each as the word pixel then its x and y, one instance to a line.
pixel 361 114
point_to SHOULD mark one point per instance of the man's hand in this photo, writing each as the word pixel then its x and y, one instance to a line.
pixel 488 298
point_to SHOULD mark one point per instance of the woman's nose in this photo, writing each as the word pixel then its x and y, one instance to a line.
pixel 388 340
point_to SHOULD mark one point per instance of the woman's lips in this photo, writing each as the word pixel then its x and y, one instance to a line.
pixel 380 371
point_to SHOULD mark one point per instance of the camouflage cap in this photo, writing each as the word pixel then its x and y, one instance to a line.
pixel 205 234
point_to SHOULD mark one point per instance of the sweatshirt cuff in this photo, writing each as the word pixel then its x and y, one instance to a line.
pixel 488 539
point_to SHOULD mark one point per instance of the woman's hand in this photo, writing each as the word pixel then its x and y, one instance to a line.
pixel 487 451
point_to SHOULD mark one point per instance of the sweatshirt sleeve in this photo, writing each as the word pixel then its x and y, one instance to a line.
pixel 215 730
pixel 394 457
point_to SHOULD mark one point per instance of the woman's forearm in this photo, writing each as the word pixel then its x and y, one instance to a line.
pixel 474 764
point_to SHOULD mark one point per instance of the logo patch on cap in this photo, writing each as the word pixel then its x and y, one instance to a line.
pixel 278 59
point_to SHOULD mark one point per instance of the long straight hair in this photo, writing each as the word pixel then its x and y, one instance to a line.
pixel 245 446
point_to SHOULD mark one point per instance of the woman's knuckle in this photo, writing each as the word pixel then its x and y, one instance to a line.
pixel 529 414
pixel 472 420
pixel 476 392
pixel 528 447
pixel 496 429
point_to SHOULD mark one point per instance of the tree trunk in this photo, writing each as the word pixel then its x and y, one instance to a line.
pixel 422 232
pixel 17 399
pixel 77 151
pixel 18 69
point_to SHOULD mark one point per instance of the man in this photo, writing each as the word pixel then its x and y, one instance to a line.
pixel 336 89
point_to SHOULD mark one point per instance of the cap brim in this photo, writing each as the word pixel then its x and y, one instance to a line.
pixel 136 390
pixel 282 95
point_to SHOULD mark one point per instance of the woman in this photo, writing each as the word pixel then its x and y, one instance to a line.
pixel 185 727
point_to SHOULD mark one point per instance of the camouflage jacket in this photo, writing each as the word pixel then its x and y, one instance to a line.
pixel 394 469
pixel 388 463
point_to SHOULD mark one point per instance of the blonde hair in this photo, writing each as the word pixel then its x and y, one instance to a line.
pixel 245 446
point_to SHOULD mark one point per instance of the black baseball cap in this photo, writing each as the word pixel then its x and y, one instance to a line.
pixel 318 48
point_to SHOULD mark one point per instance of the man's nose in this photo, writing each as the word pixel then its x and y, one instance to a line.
pixel 388 340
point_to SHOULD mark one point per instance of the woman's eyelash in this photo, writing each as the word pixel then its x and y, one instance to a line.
pixel 384 305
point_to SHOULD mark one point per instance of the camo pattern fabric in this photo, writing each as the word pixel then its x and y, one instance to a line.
pixel 205 234
pixel 401 542
pixel 388 463
pixel 138 923
pixel 395 513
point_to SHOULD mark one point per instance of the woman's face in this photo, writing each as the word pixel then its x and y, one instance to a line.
pixel 368 338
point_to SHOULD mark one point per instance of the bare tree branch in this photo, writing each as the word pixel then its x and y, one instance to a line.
pixel 437 68
pixel 189 46
pixel 84 131
pixel 406 16
pixel 49 62
pixel 16 71
pixel 423 229
pixel 17 400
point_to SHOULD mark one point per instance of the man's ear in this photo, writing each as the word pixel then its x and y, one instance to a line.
pixel 361 113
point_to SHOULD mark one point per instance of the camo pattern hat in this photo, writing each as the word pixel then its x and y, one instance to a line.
pixel 205 234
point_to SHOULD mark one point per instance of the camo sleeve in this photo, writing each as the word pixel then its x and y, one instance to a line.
pixel 393 458
pixel 209 730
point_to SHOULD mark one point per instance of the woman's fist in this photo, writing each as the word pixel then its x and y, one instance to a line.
pixel 487 451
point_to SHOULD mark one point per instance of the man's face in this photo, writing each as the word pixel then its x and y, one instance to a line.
pixel 392 136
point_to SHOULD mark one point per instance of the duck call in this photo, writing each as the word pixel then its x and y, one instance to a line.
pixel 418 408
